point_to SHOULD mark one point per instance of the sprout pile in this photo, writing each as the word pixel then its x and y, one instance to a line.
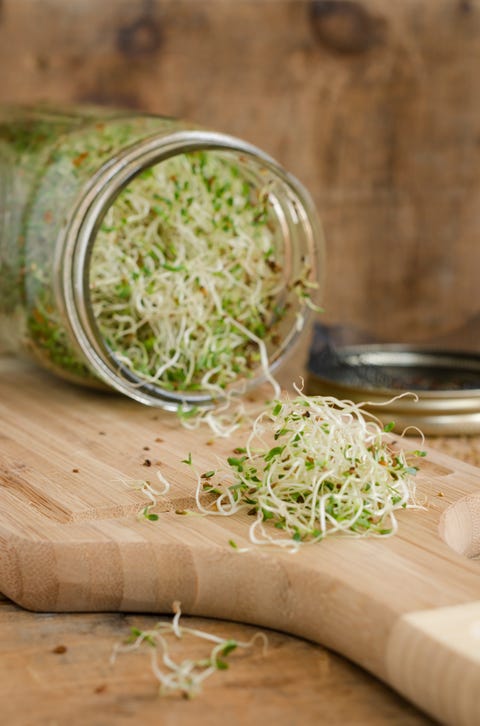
pixel 312 466
pixel 187 276
pixel 185 678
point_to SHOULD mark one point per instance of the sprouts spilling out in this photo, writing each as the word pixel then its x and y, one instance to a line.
pixel 187 276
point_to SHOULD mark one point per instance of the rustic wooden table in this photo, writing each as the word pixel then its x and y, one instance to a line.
pixel 55 669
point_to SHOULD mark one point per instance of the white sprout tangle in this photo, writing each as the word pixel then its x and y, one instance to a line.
pixel 311 467
pixel 185 677
pixel 186 275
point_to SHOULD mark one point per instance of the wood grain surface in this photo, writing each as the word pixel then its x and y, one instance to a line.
pixel 373 104
pixel 294 682
pixel 71 541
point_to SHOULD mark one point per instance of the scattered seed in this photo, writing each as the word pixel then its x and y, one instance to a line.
pixel 59 649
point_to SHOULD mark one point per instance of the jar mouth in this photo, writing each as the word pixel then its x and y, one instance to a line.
pixel 300 231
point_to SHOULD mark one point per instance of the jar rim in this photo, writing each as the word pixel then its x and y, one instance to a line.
pixel 80 234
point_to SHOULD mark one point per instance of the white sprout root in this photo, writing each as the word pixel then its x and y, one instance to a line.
pixel 311 467
pixel 185 677
pixel 152 495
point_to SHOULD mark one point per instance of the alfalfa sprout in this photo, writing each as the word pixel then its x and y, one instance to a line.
pixel 311 467
pixel 188 282
pixel 185 677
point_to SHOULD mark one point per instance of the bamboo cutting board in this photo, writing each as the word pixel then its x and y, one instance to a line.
pixel 406 608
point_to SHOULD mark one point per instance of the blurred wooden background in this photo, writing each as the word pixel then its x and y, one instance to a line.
pixel 373 104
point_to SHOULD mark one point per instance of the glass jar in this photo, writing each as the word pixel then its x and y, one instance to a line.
pixel 61 175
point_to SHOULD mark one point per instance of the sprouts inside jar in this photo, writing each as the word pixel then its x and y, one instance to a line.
pixel 192 283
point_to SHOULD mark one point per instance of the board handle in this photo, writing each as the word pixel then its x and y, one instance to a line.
pixel 459 526
pixel 433 659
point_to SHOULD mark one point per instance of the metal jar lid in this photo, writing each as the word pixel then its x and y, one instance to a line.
pixel 447 384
